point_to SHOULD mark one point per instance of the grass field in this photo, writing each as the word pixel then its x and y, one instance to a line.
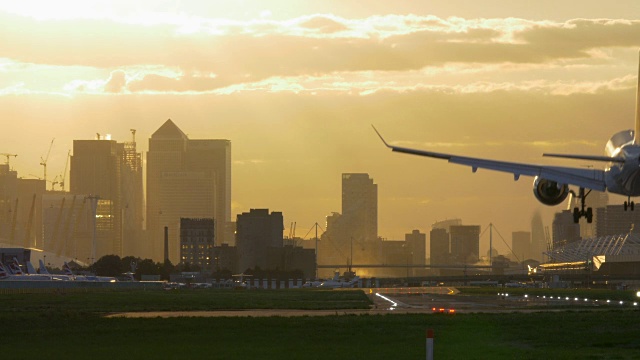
pixel 71 325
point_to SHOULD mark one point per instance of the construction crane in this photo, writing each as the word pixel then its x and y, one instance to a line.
pixel 43 162
pixel 27 236
pixel 8 156
pixel 64 173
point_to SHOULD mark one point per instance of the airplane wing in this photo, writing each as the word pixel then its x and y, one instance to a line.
pixel 586 178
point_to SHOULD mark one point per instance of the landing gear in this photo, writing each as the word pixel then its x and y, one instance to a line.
pixel 629 204
pixel 580 212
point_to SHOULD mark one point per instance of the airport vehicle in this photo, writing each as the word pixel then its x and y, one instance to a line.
pixel 551 183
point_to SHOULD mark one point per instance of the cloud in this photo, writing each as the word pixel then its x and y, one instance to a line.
pixel 319 45
pixel 116 83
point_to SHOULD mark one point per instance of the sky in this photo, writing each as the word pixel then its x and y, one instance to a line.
pixel 296 86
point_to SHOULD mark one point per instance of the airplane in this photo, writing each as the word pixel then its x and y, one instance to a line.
pixel 14 267
pixel 68 272
pixel 7 275
pixel 551 183
pixel 43 269
pixel 339 283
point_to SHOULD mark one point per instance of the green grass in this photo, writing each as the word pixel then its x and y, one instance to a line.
pixel 71 325
pixel 100 301
pixel 566 335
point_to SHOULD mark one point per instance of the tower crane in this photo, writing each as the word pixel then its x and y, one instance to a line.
pixel 64 174
pixel 8 156
pixel 43 162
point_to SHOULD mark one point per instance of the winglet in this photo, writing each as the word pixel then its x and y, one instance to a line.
pixel 381 138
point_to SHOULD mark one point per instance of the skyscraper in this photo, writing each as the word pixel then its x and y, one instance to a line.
pixel 95 173
pixel 439 246
pixel 186 178
pixel 352 236
pixel 360 206
pixel 521 245
pixel 465 243
pixel 257 231
pixel 108 175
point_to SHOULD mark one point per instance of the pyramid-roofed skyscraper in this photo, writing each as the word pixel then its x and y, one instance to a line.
pixel 189 179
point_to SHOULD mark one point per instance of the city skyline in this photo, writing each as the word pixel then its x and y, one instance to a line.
pixel 456 77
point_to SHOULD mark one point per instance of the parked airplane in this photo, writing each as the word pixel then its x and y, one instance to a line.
pixel 42 269
pixel 67 271
pixel 551 183
pixel 7 275
pixel 14 267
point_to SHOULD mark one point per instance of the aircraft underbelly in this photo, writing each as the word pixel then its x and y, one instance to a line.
pixel 626 182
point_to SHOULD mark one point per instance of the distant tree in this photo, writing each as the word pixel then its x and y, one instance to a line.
pixel 147 267
pixel 166 269
pixel 108 265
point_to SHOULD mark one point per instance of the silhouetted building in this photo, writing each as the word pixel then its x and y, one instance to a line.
pixel 225 258
pixel 521 245
pixel 356 228
pixel 416 243
pixel 538 237
pixel 360 206
pixel 614 220
pixel 186 178
pixel 465 243
pixel 108 175
pixel 396 252
pixel 565 230
pixel 439 246
pixel 257 231
pixel 596 200
pixel 196 242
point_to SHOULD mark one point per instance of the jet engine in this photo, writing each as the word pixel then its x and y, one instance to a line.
pixel 550 192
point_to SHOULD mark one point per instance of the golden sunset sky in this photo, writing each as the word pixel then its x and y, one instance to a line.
pixel 295 86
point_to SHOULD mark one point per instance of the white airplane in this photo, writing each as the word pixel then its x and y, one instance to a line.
pixel 551 183
pixel 340 283
pixel 7 275
pixel 68 272
pixel 43 269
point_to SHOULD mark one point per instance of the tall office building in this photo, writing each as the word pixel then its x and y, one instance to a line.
pixel 196 242
pixel 520 245
pixel 352 236
pixel 439 241
pixel 564 229
pixel 360 206
pixel 186 178
pixel 416 244
pixel 465 243
pixel 439 246
pixel 538 238
pixel 614 220
pixel 257 231
pixel 95 174
pixel 108 177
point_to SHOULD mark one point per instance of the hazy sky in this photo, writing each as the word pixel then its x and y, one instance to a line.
pixel 295 86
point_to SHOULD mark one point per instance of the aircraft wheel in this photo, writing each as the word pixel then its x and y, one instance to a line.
pixel 626 205
pixel 576 215
pixel 589 215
